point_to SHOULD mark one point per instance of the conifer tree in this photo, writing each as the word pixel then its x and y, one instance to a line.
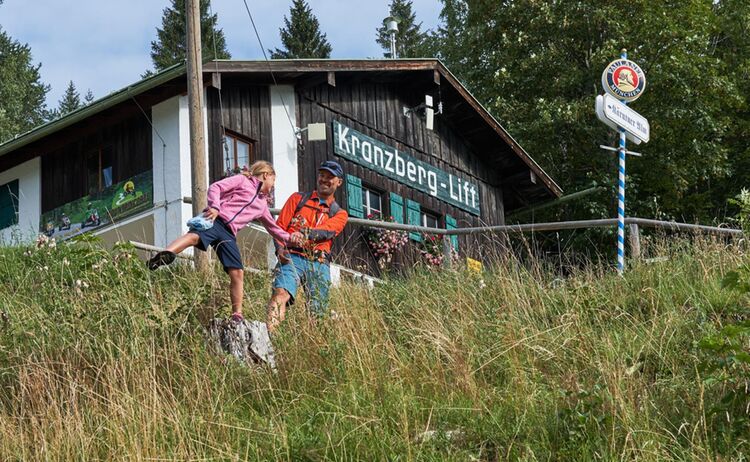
pixel 411 42
pixel 301 35
pixel 88 98
pixel 71 100
pixel 22 93
pixel 169 48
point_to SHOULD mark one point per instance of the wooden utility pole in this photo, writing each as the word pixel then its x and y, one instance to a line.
pixel 195 104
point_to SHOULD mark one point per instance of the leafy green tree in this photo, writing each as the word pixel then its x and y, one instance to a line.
pixel 169 48
pixel 537 67
pixel 733 48
pixel 301 35
pixel 22 93
pixel 411 42
pixel 70 101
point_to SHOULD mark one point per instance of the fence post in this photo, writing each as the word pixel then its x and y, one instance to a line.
pixel 447 251
pixel 635 241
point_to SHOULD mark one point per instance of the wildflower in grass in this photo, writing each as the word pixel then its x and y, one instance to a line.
pixel 99 265
pixel 41 241
pixel 45 241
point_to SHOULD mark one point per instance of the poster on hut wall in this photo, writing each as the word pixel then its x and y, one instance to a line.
pixel 94 211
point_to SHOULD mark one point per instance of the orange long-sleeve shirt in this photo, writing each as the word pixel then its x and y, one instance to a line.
pixel 314 220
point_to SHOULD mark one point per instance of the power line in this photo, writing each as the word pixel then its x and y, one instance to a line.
pixel 263 50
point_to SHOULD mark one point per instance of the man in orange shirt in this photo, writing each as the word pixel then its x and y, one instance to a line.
pixel 319 219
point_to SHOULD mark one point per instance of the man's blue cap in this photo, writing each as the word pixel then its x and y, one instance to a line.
pixel 333 167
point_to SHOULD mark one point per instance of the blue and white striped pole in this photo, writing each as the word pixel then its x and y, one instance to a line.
pixel 621 196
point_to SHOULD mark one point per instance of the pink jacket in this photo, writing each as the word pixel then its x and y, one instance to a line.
pixel 231 197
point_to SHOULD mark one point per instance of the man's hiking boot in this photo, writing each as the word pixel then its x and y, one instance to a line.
pixel 165 257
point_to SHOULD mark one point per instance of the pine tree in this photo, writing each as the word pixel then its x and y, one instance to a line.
pixel 169 48
pixel 22 92
pixel 301 35
pixel 411 42
pixel 88 98
pixel 71 100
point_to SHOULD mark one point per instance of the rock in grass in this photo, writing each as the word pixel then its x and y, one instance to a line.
pixel 247 341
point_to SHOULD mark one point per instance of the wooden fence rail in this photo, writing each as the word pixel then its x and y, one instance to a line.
pixel 633 222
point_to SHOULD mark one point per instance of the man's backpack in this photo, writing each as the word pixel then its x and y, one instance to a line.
pixel 333 208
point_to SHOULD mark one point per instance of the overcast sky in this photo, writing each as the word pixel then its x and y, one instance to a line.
pixel 104 45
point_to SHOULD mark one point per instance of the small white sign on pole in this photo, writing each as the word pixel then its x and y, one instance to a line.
pixel 600 115
pixel 625 117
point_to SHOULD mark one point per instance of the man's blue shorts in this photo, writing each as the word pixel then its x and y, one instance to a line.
pixel 314 276
pixel 224 243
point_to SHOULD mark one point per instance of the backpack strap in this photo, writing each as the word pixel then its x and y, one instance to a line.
pixel 305 197
pixel 333 208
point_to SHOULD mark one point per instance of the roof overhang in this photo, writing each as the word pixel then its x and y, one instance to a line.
pixel 291 70
pixel 95 107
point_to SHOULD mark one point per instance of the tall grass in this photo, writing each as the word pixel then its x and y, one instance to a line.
pixel 100 359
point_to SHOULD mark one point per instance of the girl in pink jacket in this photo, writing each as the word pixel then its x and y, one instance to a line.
pixel 232 203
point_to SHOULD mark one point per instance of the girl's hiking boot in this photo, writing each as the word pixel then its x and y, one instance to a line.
pixel 165 257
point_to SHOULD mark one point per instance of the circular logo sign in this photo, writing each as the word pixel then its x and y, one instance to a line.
pixel 624 80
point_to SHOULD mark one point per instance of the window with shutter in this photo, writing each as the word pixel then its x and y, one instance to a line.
pixel 372 203
pixel 397 208
pixel 354 196
pixel 414 217
pixel 450 223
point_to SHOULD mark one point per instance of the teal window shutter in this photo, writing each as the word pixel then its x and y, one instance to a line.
pixel 414 217
pixel 450 223
pixel 9 204
pixel 397 208
pixel 354 196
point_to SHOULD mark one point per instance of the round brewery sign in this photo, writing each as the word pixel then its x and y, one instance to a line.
pixel 624 80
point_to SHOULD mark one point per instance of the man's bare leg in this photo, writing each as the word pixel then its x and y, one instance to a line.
pixel 277 308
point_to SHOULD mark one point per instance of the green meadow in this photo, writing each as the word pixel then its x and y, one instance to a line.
pixel 101 359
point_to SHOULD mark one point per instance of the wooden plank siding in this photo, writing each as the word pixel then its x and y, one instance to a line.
pixel 64 170
pixel 243 109
pixel 375 109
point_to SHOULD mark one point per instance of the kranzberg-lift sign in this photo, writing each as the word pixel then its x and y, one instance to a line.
pixel 404 168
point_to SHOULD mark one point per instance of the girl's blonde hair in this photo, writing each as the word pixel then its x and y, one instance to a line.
pixel 260 167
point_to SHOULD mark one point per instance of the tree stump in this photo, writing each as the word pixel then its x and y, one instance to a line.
pixel 247 341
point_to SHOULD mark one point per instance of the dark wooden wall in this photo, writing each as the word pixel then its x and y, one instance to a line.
pixel 246 110
pixel 64 170
pixel 375 109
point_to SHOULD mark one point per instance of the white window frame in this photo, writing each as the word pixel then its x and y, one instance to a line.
pixel 423 218
pixel 367 208
pixel 234 138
